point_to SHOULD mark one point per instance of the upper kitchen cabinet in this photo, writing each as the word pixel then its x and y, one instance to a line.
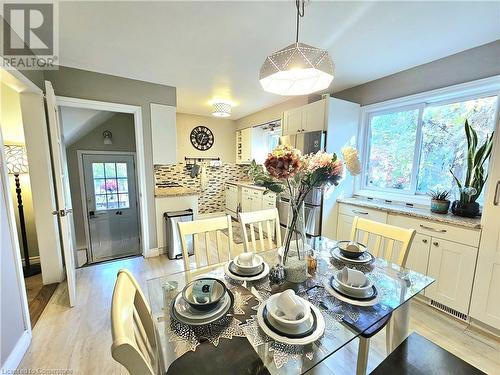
pixel 244 146
pixel 163 134
pixel 309 117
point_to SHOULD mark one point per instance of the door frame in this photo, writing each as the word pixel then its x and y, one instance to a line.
pixel 86 224
pixel 139 130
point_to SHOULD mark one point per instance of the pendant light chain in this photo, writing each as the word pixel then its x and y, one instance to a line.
pixel 300 13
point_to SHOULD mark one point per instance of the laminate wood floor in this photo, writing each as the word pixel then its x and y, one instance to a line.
pixel 79 338
pixel 38 296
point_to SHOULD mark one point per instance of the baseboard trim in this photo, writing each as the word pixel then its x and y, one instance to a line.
pixel 33 260
pixel 152 253
pixel 17 354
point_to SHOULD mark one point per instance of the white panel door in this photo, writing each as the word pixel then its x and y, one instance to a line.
pixel 293 121
pixel 246 203
pixel 61 183
pixel 164 133
pixel 111 199
pixel 485 305
pixel 452 266
pixel 418 257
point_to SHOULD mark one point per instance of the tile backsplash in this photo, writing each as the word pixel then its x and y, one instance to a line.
pixel 211 188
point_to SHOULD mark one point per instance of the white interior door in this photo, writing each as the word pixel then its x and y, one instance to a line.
pixel 63 196
pixel 111 200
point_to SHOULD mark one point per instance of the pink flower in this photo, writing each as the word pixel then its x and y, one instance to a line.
pixel 283 162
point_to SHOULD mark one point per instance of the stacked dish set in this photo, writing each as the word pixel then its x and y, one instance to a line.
pixel 352 252
pixel 247 267
pixel 352 286
pixel 290 319
pixel 202 301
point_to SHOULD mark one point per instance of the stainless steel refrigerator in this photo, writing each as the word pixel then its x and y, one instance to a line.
pixel 308 142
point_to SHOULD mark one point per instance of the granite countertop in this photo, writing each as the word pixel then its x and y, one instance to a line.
pixel 422 213
pixel 248 184
pixel 174 192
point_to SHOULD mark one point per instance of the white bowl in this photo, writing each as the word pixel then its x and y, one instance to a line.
pixel 273 307
pixel 256 263
pixel 357 291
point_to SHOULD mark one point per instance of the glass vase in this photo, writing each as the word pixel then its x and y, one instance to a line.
pixel 295 248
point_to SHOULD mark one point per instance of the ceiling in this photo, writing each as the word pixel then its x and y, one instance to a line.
pixel 78 122
pixel 215 49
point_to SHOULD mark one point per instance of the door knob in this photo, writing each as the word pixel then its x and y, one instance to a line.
pixel 435 244
pixel 424 240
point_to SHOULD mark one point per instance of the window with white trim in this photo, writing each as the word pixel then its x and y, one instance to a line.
pixel 411 149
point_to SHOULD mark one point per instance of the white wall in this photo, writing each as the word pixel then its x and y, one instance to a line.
pixel 224 131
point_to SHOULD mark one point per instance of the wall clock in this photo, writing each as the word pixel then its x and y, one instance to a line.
pixel 202 138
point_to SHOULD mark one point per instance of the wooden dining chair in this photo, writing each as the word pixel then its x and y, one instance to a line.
pixel 135 343
pixel 385 237
pixel 270 219
pixel 204 228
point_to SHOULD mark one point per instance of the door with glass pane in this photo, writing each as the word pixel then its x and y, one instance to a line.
pixel 112 212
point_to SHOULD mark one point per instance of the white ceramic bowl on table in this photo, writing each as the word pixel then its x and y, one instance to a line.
pixel 288 309
pixel 356 291
pixel 248 263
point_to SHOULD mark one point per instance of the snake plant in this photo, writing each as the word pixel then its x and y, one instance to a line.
pixel 475 178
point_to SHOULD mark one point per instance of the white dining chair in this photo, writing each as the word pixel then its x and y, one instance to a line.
pixel 204 228
pixel 270 219
pixel 385 237
pixel 135 342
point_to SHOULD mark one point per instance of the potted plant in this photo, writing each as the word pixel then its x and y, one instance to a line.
pixel 475 177
pixel 439 201
pixel 286 170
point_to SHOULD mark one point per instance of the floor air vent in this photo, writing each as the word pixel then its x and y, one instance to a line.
pixel 449 310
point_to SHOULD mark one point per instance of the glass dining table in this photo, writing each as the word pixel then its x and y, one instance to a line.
pixel 236 342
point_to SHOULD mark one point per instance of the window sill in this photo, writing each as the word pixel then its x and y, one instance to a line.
pixel 416 200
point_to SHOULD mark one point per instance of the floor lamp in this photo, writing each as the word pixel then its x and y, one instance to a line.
pixel 17 163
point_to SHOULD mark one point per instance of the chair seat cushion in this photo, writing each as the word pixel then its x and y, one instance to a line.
pixel 374 329
pixel 418 356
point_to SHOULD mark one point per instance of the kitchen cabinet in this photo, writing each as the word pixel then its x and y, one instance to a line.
pixel 344 227
pixel 485 304
pixel 418 257
pixel 163 134
pixel 248 198
pixel 452 265
pixel 309 117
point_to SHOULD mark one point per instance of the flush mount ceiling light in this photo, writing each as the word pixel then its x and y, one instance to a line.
pixel 220 109
pixel 298 69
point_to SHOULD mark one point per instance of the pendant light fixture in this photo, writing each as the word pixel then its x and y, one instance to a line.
pixel 298 69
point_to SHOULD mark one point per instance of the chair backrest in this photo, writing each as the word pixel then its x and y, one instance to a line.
pixel 196 228
pixel 271 220
pixel 383 233
pixel 135 344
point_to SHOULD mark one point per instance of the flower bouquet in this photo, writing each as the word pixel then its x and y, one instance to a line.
pixel 288 172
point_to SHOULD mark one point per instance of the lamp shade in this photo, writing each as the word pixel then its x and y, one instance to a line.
pixel 298 69
pixel 221 109
pixel 17 160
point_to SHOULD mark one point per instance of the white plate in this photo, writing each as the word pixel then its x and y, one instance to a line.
pixel 245 273
pixel 351 301
pixel 246 278
pixel 194 322
pixel 320 328
pixel 184 309
pixel 363 259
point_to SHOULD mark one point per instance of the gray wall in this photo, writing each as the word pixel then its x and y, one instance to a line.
pixel 11 313
pixel 122 127
pixel 465 66
pixel 102 87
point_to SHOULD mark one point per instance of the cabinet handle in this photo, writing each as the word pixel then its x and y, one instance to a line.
pixel 360 212
pixel 424 240
pixel 433 229
pixel 436 244
pixel 495 196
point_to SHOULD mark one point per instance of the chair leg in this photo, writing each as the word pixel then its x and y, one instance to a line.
pixel 363 350
pixel 388 337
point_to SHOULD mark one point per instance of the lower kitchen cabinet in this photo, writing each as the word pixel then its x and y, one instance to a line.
pixel 452 265
pixel 418 256
pixel 344 227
